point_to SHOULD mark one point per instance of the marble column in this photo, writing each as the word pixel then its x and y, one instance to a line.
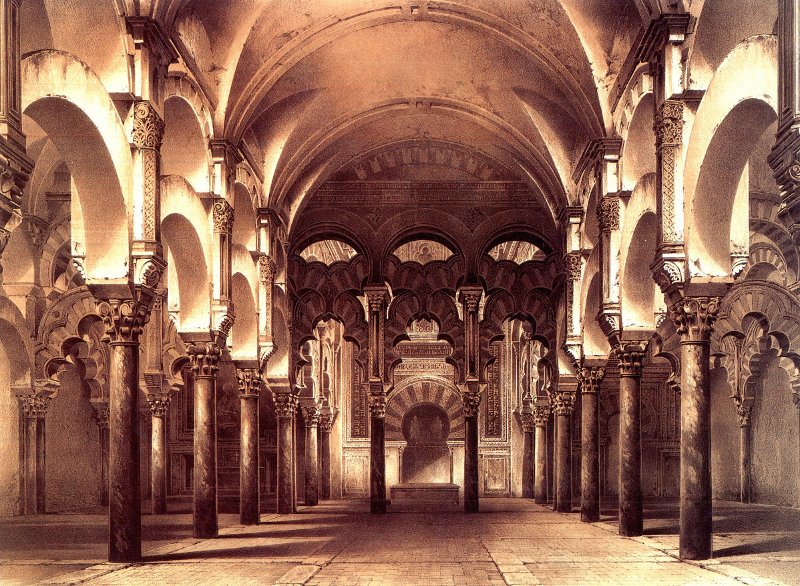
pixel 528 448
pixel 564 404
pixel 124 320
pixel 630 356
pixel 34 410
pixel 471 398
pixel 377 444
pixel 205 362
pixel 249 381
pixel 743 410
pixel 325 425
pixel 284 413
pixel 590 379
pixel 694 318
pixel 541 414
pixel 159 407
pixel 101 417
pixel 311 418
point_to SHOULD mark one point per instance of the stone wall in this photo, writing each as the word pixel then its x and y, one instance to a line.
pixel 9 439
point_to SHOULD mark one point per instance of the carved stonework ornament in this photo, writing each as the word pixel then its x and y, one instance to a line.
pixel 223 216
pixel 377 406
pixel 148 127
pixel 470 300
pixel 325 423
pixel 608 213
pixel 743 411
pixel 590 379
pixel 666 275
pixel 38 230
pixel 541 413
pixel 564 403
pixel 249 380
pixel 284 405
pixel 266 269
pixel 472 402
pixel 694 317
pixel 668 124
pixel 159 404
pixel 101 415
pixel 124 319
pixel 528 422
pixel 572 266
pixel 205 358
pixel 630 358
pixel 311 416
pixel 35 406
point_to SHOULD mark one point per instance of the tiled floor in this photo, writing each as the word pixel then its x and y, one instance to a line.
pixel 512 541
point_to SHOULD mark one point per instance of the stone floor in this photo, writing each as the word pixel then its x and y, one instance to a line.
pixel 511 542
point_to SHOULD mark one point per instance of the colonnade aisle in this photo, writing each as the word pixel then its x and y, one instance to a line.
pixel 512 541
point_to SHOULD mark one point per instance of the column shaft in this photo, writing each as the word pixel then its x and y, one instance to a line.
pixel 284 410
pixel 528 473
pixel 124 504
pixel 312 465
pixel 324 462
pixel 563 473
pixel 205 456
pixel 31 497
pixel 630 457
pixel 249 507
pixel 158 462
pixel 377 467
pixel 744 463
pixel 695 484
pixel 540 474
pixel 590 458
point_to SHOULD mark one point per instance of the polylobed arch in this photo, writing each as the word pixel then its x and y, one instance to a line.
pixel 738 107
pixel 63 96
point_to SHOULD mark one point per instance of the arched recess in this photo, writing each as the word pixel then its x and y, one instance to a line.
pixel 187 272
pixel 16 359
pixel 594 341
pixel 67 100
pixel 739 106
pixel 638 151
pixel 183 148
pixel 244 334
pixel 720 25
pixel 244 218
pixel 640 298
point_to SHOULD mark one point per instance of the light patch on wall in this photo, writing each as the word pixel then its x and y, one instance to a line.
pixel 328 252
pixel 516 251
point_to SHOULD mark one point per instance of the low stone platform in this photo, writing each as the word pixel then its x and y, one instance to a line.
pixel 423 496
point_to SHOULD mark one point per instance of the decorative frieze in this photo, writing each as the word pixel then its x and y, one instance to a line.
pixel 493 422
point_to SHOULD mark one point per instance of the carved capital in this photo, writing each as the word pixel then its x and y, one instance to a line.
pixel 311 415
pixel 124 319
pixel 205 358
pixel 38 229
pixel 572 266
pixel 223 216
pixel 148 127
pixel 101 415
pixel 470 298
pixel 541 413
pixel 249 380
pixel 377 406
pixel 159 404
pixel 528 422
pixel 376 298
pixel 266 269
pixel 667 275
pixel 34 406
pixel 694 317
pixel 630 356
pixel 608 213
pixel 744 407
pixel 284 405
pixel 564 403
pixel 590 378
pixel 668 124
pixel 472 402
pixel 325 422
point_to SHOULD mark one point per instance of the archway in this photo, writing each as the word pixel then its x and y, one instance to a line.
pixel 426 457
